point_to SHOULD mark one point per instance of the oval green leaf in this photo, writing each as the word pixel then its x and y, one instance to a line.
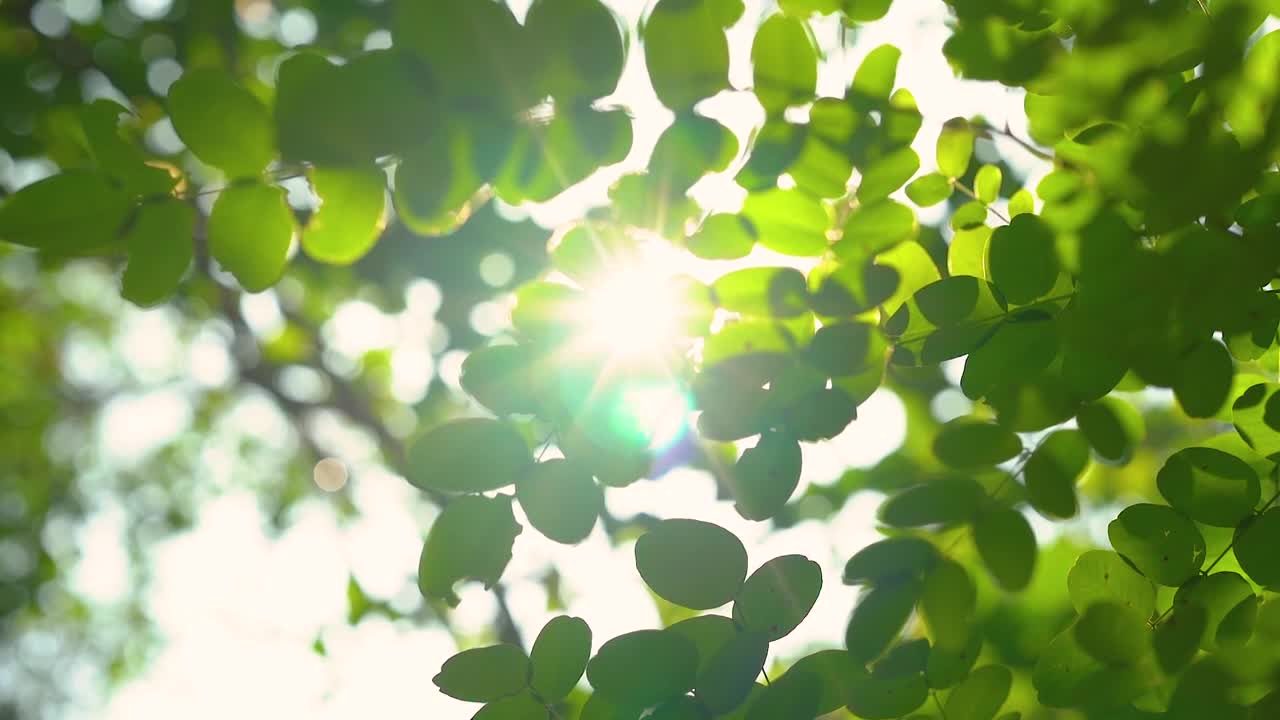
pixel 692 563
pixel 469 455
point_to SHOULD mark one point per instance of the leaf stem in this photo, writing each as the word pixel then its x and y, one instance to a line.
pixel 967 191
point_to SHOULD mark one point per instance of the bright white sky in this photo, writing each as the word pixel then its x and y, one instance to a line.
pixel 238 612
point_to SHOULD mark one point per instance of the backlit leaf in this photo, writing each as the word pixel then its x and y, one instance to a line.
pixel 1007 547
pixel 1103 576
pixel 643 668
pixel 692 563
pixel 778 595
pixel 470 540
pixel 250 229
pixel 561 500
pixel 484 674
pixel 221 122
pixel 469 455
pixel 1210 486
pixel 1052 470
pixel 970 443
pixel 1160 542
pixel 559 657
pixel 350 216
pixel 39 215
pixel 160 243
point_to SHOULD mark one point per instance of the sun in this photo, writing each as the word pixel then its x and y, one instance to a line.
pixel 630 319
pixel 631 312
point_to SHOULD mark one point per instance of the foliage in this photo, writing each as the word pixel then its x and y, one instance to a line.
pixel 1141 262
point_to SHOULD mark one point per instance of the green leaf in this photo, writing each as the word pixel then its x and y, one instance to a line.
pixel 931 189
pixel 160 243
pixel 967 253
pixel 686 52
pixel 1052 470
pixel 874 79
pixel 468 455
pixel 692 563
pixel 484 674
pixel 887 174
pixel 944 320
pixel 599 707
pixel 1022 259
pixel 906 658
pixel 471 539
pixel 39 215
pixel 1256 414
pixel 448 35
pixel 1217 594
pixel 890 558
pixel 523 706
pixel 1021 203
pixel 682 707
pixel 580 51
pixel 723 236
pixel 117 155
pixel 842 349
pixel 351 214
pixel 1255 547
pixel 1007 547
pixel 561 500
pixel 1103 576
pixel 832 668
pixel 804 8
pixel 764 476
pixel 969 216
pixel 1160 542
pixel 980 696
pixel 250 229
pixel 371 106
pixel 643 668
pixel 792 695
pixel 1210 486
pixel 878 619
pixel 946 667
pixel 938 502
pixel 866 10
pixel 1203 379
pixel 788 222
pixel 1019 350
pixel 221 122
pixel 502 378
pixel 948 601
pixel 955 147
pixel 764 291
pixel 968 442
pixel 1112 427
pixel 729 676
pixel 1236 629
pixel 436 181
pixel 786 64
pixel 1112 634
pixel 1064 672
pixel 559 657
pixel 778 596
pixel 875 227
pixel 879 698
pixel 1177 639
pixel 708 633
pixel 986 184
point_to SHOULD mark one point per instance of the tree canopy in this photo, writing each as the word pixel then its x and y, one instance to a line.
pixel 1077 310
